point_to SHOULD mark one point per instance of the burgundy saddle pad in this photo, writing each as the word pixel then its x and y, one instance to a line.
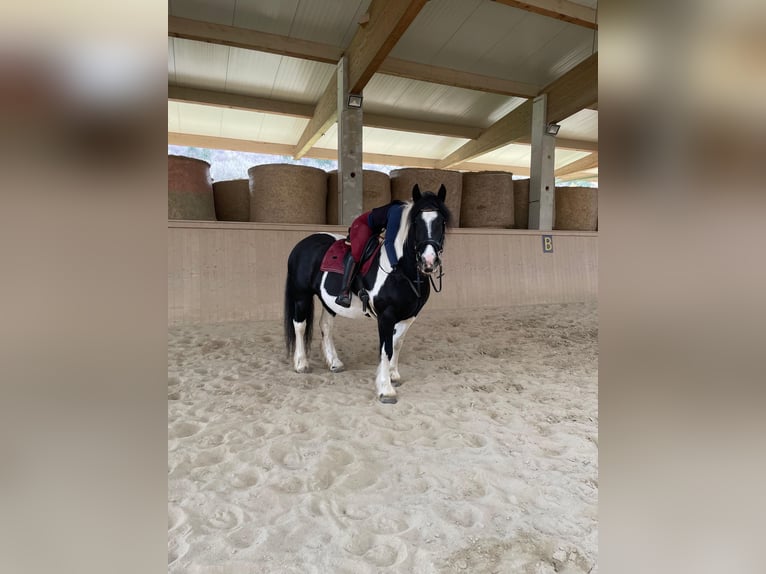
pixel 333 259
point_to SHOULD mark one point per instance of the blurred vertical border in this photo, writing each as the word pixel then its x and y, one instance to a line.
pixel 682 101
pixel 83 88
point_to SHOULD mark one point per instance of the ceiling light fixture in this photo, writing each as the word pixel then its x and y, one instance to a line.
pixel 552 129
pixel 355 100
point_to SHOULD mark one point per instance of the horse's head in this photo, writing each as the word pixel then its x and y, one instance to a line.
pixel 429 218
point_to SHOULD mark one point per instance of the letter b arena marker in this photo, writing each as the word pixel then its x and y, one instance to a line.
pixel 547 243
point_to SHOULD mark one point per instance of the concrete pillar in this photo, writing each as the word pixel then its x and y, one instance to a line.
pixel 542 182
pixel 350 190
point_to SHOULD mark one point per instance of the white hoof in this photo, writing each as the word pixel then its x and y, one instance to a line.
pixel 385 390
pixel 337 366
pixel 302 366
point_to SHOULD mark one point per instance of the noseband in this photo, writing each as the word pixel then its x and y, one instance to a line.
pixel 425 243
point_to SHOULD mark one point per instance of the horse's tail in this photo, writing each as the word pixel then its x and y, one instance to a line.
pixel 307 308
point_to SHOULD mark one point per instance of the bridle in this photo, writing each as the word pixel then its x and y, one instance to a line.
pixel 438 248
pixel 418 248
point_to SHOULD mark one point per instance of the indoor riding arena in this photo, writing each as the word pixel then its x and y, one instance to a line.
pixel 488 460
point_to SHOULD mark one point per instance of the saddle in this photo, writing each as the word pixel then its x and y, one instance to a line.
pixel 336 255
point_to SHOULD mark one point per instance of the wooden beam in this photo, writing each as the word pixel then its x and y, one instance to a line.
pixel 457 78
pixel 513 126
pixel 558 9
pixel 398 160
pixel 587 162
pixel 584 175
pixel 325 114
pixel 574 91
pixel 252 40
pixel 576 145
pixel 370 45
pixel 214 142
pixel 317 52
pixel 389 20
pixel 482 166
pixel 298 110
pixel 421 126
pixel 239 102
pixel 565 143
pixel 567 95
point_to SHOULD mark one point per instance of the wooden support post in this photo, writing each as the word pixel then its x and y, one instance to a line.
pixel 542 183
pixel 349 151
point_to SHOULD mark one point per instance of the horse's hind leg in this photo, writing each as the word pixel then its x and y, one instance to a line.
pixel 303 315
pixel 300 359
pixel 400 331
pixel 326 322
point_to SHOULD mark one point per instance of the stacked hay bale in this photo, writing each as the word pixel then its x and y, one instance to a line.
pixel 576 208
pixel 376 191
pixel 232 200
pixel 521 203
pixel 190 189
pixel 402 181
pixel 286 193
pixel 487 200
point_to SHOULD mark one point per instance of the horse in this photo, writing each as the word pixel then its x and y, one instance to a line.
pixel 394 296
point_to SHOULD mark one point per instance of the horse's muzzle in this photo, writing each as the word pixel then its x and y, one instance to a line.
pixel 430 265
pixel 428 259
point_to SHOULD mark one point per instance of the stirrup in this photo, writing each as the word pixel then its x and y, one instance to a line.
pixel 344 300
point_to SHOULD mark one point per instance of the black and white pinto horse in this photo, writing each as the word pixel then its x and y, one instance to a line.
pixel 395 297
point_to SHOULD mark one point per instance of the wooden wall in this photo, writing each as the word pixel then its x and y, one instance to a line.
pixel 224 271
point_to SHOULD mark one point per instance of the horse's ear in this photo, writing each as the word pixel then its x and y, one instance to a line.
pixel 416 193
pixel 442 192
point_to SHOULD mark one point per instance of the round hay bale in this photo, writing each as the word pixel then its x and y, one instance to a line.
pixel 190 189
pixel 232 200
pixel 521 203
pixel 376 191
pixel 402 181
pixel 576 208
pixel 286 193
pixel 487 199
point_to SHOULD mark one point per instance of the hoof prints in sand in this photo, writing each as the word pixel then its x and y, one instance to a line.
pixel 487 463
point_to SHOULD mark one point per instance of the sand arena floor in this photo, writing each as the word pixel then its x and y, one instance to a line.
pixel 488 463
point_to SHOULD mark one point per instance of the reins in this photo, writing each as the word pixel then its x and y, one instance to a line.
pixel 419 281
pixel 415 286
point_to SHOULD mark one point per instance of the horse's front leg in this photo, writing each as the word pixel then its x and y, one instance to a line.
pixel 399 332
pixel 326 322
pixel 385 390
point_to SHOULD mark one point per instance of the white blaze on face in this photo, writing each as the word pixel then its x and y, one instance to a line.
pixel 429 255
